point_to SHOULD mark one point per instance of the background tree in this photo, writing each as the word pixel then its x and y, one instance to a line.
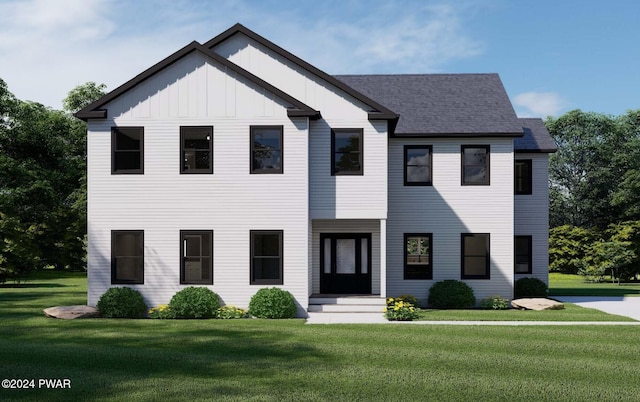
pixel 82 96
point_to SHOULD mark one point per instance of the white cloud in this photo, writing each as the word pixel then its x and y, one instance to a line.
pixel 539 104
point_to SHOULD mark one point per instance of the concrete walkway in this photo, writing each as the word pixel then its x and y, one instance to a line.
pixel 624 306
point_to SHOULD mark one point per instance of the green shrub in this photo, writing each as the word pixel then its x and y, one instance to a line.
pixel 122 303
pixel 451 294
pixel 194 302
pixel 495 303
pixel 398 309
pixel 407 298
pixel 231 312
pixel 272 303
pixel 162 312
pixel 530 287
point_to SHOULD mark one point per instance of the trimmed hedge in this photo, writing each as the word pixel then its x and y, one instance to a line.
pixel 272 303
pixel 194 302
pixel 530 287
pixel 122 303
pixel 450 294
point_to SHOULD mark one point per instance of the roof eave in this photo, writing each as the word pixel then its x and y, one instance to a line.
pixel 459 135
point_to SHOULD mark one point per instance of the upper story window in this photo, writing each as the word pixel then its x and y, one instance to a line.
pixel 127 150
pixel 346 152
pixel 475 256
pixel 417 165
pixel 196 148
pixel 127 256
pixel 475 165
pixel 417 256
pixel 266 149
pixel 523 176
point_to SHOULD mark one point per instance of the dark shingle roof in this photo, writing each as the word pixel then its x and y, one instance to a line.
pixel 536 137
pixel 442 104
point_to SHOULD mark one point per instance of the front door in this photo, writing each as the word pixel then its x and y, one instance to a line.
pixel 345 263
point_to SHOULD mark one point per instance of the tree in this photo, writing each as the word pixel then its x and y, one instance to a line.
pixel 82 96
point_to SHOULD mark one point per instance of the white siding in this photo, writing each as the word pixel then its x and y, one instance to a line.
pixel 231 201
pixel 346 226
pixel 448 209
pixel 532 215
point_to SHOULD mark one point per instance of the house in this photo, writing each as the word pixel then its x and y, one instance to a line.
pixel 236 165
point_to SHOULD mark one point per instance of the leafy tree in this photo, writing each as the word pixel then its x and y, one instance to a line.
pixel 570 248
pixel 608 257
pixel 82 96
pixel 627 232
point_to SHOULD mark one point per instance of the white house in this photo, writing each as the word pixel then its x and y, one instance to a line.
pixel 236 165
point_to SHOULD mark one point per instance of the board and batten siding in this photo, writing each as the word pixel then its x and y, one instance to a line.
pixel 532 215
pixel 447 209
pixel 231 201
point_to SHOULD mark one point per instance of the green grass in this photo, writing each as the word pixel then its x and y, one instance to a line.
pixel 575 285
pixel 261 360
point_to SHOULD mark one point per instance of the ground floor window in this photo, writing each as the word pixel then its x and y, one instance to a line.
pixel 196 249
pixel 475 256
pixel 417 256
pixel 523 255
pixel 127 257
pixel 266 257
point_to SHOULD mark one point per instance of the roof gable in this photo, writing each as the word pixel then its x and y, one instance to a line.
pixel 95 111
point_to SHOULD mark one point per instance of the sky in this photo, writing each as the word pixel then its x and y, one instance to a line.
pixel 553 56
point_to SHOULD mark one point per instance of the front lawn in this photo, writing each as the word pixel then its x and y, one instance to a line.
pixel 148 360
pixel 575 285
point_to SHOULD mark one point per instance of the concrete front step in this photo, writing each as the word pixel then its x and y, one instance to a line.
pixel 345 308
pixel 346 304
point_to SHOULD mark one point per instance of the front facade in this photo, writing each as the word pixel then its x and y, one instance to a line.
pixel 235 165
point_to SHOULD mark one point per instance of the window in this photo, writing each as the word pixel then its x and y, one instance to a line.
pixel 417 256
pixel 475 256
pixel 196 265
pixel 266 149
pixel 522 176
pixel 523 254
pixel 127 146
pixel 196 150
pixel 127 256
pixel 346 154
pixel 417 165
pixel 475 165
pixel 266 257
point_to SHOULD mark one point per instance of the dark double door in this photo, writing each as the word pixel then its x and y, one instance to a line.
pixel 345 263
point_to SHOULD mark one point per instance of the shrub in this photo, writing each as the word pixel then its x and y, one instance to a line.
pixel 407 298
pixel 495 303
pixel 194 302
pixel 272 303
pixel 230 312
pixel 451 294
pixel 530 287
pixel 162 312
pixel 400 310
pixel 122 303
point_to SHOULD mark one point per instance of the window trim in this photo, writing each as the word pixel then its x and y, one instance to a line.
pixel 487 275
pixel 418 183
pixel 487 148
pixel 252 131
pixel 360 133
pixel 429 273
pixel 184 233
pixel 252 280
pixel 114 280
pixel 529 239
pixel 528 190
pixel 183 131
pixel 140 170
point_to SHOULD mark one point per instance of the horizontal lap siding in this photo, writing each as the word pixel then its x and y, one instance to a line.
pixel 448 209
pixel 231 202
pixel 532 215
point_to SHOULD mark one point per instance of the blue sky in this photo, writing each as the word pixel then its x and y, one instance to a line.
pixel 553 56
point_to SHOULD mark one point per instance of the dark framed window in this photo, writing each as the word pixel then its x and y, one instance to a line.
pixel 417 165
pixel 127 150
pixel 346 151
pixel 523 176
pixel 196 250
pixel 475 256
pixel 266 149
pixel 127 256
pixel 196 150
pixel 523 260
pixel 475 165
pixel 418 256
pixel 266 257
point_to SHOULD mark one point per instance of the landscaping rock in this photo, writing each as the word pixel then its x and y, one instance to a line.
pixel 537 304
pixel 71 312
